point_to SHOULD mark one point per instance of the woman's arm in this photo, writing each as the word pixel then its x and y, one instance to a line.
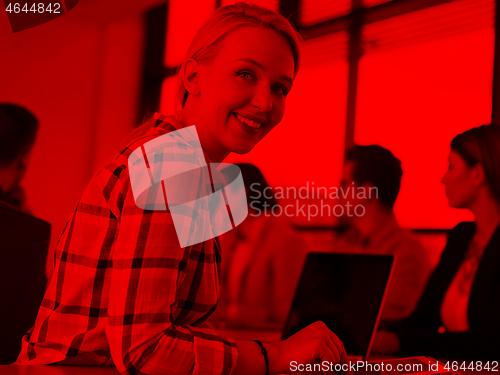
pixel 149 273
pixel 314 343
pixel 152 291
pixel 160 294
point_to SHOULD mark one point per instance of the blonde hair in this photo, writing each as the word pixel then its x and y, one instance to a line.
pixel 224 21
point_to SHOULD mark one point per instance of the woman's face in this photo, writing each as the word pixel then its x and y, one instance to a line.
pixel 459 182
pixel 243 90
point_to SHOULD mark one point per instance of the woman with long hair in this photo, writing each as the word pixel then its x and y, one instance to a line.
pixel 123 290
pixel 457 316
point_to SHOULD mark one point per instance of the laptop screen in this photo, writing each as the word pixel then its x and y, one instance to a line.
pixel 346 292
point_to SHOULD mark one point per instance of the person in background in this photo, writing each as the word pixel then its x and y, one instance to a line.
pixel 458 315
pixel 262 259
pixel 374 174
pixel 124 290
pixel 18 130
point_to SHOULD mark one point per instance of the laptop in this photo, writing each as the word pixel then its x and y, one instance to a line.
pixel 346 292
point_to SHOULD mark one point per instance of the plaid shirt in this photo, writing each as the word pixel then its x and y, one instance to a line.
pixel 123 291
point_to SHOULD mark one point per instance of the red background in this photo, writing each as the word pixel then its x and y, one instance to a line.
pixel 423 77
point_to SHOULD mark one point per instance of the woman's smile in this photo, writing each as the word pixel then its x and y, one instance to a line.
pixel 250 126
pixel 242 91
pixel 255 123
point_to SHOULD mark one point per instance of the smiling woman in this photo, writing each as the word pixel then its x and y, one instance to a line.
pixel 240 93
pixel 124 291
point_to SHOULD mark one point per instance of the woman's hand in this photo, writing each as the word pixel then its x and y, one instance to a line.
pixel 315 343
pixel 386 343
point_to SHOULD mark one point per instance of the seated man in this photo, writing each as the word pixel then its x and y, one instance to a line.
pixel 18 128
pixel 373 174
pixel 262 259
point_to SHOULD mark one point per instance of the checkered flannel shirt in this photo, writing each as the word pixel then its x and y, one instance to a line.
pixel 123 291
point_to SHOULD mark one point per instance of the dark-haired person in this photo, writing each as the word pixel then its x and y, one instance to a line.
pixel 262 259
pixel 375 175
pixel 18 129
pixel 458 314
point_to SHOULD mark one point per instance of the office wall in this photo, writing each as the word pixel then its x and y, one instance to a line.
pixel 81 77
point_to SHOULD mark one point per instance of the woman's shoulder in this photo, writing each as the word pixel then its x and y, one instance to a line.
pixel 159 142
pixel 161 135
pixel 157 148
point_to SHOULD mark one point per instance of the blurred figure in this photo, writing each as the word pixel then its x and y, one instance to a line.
pixel 18 129
pixel 372 177
pixel 24 239
pixel 457 316
pixel 262 259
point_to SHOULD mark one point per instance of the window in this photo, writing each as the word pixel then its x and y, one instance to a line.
pixel 425 77
pixel 425 74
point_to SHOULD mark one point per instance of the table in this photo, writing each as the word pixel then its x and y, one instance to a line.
pixel 265 334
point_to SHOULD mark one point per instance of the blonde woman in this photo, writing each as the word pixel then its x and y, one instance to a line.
pixel 123 291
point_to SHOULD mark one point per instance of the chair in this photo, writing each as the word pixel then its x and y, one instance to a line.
pixel 24 242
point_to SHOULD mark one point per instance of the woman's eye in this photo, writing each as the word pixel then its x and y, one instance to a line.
pixel 280 90
pixel 245 75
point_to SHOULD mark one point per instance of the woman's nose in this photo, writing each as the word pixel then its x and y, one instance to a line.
pixel 443 179
pixel 262 98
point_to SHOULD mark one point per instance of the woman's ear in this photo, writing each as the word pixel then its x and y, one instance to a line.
pixel 191 77
pixel 478 175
